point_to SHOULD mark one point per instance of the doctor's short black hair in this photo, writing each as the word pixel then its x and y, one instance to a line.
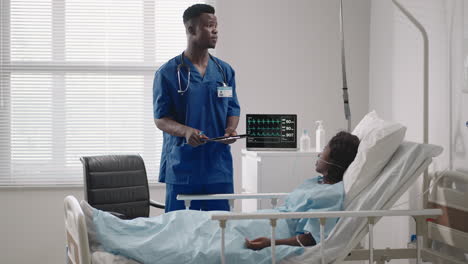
pixel 196 10
pixel 343 149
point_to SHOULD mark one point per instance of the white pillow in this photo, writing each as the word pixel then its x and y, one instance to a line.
pixel 379 140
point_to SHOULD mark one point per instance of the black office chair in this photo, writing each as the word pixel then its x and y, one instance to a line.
pixel 118 184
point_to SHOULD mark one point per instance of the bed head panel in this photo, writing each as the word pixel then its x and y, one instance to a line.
pixel 451 195
pixel 76 232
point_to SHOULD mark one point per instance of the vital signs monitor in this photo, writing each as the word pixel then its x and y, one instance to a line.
pixel 271 131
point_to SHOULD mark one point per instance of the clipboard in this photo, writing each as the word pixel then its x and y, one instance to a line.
pixel 220 139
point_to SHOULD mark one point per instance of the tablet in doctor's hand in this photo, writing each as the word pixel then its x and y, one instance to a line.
pixel 226 138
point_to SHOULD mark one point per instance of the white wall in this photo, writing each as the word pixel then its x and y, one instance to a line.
pixel 32 226
pixel 287 60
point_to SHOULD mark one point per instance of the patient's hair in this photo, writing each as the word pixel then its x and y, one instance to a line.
pixel 196 10
pixel 343 149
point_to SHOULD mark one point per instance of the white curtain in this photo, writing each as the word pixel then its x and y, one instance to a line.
pixel 459 76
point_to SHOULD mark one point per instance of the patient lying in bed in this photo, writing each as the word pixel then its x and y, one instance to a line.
pixel 192 237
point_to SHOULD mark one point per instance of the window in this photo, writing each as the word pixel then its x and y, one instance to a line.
pixel 76 80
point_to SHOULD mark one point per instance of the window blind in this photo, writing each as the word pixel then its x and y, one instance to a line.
pixel 76 80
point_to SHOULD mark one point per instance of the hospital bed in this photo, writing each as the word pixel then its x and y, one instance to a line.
pixel 356 221
pixel 360 215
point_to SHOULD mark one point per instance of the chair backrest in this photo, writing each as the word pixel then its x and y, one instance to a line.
pixel 117 183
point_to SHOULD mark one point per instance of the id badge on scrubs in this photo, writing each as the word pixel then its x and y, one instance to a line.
pixel 224 91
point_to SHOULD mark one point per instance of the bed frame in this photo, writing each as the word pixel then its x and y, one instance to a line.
pixel 78 250
pixel 442 199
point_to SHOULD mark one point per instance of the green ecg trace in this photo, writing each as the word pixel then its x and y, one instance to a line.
pixel 263 121
pixel 265 127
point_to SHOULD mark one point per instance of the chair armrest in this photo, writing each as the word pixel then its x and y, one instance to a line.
pixel 157 204
pixel 119 215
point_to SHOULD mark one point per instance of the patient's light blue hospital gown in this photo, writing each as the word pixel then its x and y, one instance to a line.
pixel 188 236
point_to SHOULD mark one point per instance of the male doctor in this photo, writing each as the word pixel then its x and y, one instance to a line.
pixel 194 98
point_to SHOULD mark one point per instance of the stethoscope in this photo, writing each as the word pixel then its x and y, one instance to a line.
pixel 183 64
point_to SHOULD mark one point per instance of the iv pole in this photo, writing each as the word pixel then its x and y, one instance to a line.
pixel 347 109
pixel 425 91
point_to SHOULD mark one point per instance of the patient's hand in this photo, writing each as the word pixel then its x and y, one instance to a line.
pixel 258 243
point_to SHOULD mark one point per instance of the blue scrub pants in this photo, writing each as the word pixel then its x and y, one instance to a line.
pixel 172 190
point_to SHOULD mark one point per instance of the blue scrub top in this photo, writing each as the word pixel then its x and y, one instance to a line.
pixel 201 108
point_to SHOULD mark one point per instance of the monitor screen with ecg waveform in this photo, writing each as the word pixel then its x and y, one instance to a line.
pixel 271 131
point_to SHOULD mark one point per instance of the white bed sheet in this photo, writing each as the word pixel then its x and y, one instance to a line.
pixel 408 162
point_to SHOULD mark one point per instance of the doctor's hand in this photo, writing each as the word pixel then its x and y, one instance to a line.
pixel 229 132
pixel 258 243
pixel 194 137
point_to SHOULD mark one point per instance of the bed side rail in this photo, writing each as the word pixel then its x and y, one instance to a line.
pixel 76 233
pixel 455 176
pixel 419 215
pixel 231 197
